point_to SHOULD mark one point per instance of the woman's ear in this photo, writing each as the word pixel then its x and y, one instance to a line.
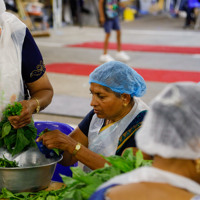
pixel 126 98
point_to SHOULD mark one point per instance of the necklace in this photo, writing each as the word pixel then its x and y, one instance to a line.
pixel 107 122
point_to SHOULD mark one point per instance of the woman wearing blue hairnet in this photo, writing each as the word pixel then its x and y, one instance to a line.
pixel 111 126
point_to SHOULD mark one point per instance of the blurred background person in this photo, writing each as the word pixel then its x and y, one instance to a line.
pixel 109 19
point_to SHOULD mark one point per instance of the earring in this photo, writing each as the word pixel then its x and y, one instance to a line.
pixel 198 166
pixel 125 104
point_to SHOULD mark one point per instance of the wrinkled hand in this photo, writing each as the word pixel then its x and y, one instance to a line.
pixel 24 118
pixel 55 139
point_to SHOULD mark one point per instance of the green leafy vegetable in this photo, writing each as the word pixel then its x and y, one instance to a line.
pixel 12 110
pixel 4 162
pixel 82 185
pixel 16 140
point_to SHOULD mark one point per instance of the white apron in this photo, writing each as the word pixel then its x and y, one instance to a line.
pixel 11 84
pixel 155 175
pixel 106 141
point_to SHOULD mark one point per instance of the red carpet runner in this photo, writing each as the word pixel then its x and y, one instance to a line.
pixel 154 75
pixel 140 47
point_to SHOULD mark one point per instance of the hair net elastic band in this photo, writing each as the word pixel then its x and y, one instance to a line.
pixel 113 89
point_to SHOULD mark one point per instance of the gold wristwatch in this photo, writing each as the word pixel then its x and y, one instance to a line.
pixel 77 148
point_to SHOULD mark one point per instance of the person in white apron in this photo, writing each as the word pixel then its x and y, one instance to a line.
pixel 170 133
pixel 110 127
pixel 18 50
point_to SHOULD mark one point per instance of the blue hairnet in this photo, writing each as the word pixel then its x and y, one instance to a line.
pixel 120 78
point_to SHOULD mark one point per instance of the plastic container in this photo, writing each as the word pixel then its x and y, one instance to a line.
pixel 129 14
pixel 65 128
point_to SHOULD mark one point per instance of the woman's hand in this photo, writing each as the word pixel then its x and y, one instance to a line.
pixel 24 118
pixel 57 139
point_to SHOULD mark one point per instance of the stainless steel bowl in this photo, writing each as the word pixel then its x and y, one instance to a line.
pixel 33 174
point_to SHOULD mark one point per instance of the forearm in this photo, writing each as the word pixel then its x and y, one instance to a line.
pixel 42 98
pixel 85 156
pixel 101 10
pixel 68 143
pixel 41 92
pixel 90 159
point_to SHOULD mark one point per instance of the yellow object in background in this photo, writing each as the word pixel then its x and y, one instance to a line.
pixel 129 14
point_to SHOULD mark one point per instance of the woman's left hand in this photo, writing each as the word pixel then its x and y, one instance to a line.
pixel 24 118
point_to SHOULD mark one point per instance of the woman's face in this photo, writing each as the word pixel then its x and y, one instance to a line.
pixel 106 105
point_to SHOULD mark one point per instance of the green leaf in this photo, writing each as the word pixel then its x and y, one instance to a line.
pixel 4 162
pixel 10 141
pixel 128 155
pixel 77 172
pixel 21 142
pixel 12 110
pixel 87 191
pixel 69 181
pixel 139 159
pixel 71 195
pixel 6 129
pixel 51 198
pixel 120 163
pixel 57 151
pixel 7 194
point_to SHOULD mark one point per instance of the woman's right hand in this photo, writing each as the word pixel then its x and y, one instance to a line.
pixel 57 139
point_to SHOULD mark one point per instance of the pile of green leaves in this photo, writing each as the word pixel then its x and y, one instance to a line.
pixel 16 140
pixel 82 185
pixel 4 162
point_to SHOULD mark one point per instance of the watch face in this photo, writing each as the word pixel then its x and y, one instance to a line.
pixel 78 146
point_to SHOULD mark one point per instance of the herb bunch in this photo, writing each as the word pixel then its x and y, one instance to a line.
pixel 16 140
pixel 4 162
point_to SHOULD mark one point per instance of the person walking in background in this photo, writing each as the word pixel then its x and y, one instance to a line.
pixel 109 18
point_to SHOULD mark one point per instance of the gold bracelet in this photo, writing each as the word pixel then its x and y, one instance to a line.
pixel 38 106
pixel 77 148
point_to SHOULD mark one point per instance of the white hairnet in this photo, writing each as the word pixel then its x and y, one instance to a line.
pixel 171 127
pixel 2 7
pixel 120 78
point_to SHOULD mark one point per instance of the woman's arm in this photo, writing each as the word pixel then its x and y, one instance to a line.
pixel 57 139
pixel 41 93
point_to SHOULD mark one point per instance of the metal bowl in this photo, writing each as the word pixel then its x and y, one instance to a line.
pixel 33 174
